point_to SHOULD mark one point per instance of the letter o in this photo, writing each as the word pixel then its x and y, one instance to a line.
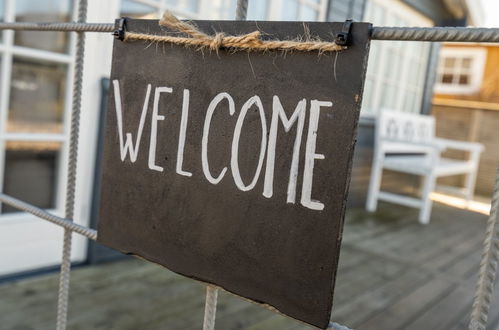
pixel 234 162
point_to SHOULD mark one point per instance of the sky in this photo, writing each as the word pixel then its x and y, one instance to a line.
pixel 491 10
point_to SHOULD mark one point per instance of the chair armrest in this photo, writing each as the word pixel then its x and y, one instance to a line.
pixel 459 145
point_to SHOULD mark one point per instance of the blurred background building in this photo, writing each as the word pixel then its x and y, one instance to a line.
pixel 466 104
pixel 36 70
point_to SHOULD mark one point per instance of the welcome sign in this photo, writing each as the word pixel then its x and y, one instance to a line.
pixel 233 167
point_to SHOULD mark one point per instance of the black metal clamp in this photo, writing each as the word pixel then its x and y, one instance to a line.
pixel 120 32
pixel 344 38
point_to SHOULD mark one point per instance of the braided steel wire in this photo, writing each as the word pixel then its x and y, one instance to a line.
pixel 336 326
pixel 62 302
pixel 66 223
pixel 488 266
pixel 458 34
pixel 75 113
pixel 62 27
pixel 241 10
pixel 210 308
pixel 462 34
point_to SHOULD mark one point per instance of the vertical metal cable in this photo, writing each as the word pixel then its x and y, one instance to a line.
pixel 488 266
pixel 337 326
pixel 210 308
pixel 241 10
pixel 62 303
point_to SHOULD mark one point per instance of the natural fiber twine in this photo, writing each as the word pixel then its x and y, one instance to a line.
pixel 249 42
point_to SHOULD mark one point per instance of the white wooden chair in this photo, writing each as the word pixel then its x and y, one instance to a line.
pixel 407 143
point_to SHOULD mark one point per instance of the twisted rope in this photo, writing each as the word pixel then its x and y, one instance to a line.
pixel 250 42
pixel 62 302
pixel 488 265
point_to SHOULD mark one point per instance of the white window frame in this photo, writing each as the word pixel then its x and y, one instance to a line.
pixel 375 72
pixel 22 233
pixel 478 58
pixel 8 50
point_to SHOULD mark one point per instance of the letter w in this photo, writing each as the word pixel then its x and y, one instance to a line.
pixel 127 146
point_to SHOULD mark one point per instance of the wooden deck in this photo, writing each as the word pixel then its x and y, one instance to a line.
pixel 394 274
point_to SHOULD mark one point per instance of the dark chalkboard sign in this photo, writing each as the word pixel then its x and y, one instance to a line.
pixel 233 167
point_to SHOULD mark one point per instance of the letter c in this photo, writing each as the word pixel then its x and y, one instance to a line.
pixel 206 132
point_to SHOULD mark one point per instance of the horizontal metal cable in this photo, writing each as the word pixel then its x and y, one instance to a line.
pixel 23 206
pixel 462 34
pixel 77 27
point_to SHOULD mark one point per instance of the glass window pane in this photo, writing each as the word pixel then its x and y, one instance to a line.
pixel 186 5
pixel 466 63
pixel 308 13
pixel 257 10
pixel 37 97
pixel 171 3
pixel 191 5
pixel 137 10
pixel 420 69
pixel 31 173
pixel 43 11
pixel 289 10
pixel 464 79
pixel 411 102
pixel 389 93
pixel 367 97
pixel 449 62
pixel 394 69
pixel 447 78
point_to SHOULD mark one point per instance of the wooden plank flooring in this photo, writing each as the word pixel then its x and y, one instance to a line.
pixel 393 274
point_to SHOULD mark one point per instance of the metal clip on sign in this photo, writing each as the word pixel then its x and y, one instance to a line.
pixel 120 32
pixel 344 38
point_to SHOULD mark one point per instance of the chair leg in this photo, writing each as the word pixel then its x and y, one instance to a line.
pixel 426 202
pixel 374 187
pixel 469 186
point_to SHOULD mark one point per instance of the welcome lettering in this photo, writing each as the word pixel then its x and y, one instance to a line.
pixel 224 102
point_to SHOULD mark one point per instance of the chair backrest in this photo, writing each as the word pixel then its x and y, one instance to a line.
pixel 397 130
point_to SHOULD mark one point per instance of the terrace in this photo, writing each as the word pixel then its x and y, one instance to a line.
pixel 394 274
